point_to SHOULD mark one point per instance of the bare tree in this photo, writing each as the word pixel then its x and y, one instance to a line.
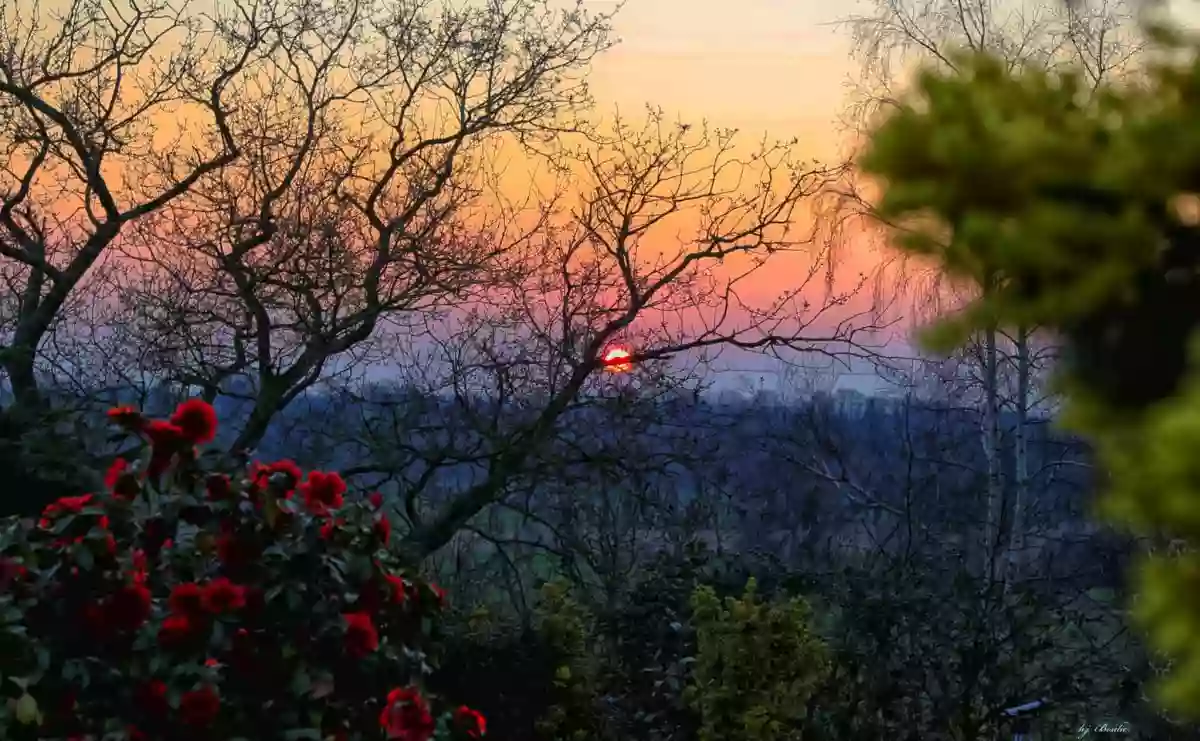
pixel 370 133
pixel 892 481
pixel 126 124
pixel 80 90
pixel 334 194
pixel 521 364
pixel 84 86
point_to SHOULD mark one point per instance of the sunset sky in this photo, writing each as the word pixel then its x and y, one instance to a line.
pixel 773 67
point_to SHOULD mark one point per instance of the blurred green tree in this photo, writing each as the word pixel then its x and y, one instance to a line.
pixel 1076 209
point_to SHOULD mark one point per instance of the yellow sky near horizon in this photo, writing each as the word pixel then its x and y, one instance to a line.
pixel 764 66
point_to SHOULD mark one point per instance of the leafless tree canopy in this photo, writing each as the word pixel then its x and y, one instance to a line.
pixel 253 199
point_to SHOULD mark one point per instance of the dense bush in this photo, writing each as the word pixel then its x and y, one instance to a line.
pixel 186 604
pixel 535 679
pixel 924 650
pixel 654 639
pixel 757 664
pixel 569 630
pixel 576 669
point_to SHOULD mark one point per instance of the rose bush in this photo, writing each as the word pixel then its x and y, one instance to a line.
pixel 184 604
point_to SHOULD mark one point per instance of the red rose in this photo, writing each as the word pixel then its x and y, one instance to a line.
pixel 329 526
pixel 75 504
pixel 166 440
pixel 375 499
pixel 151 697
pixel 397 587
pixel 11 569
pixel 361 636
pixel 383 529
pixel 96 620
pixel 261 473
pixel 187 599
pixel 223 596
pixel 10 572
pixel 117 481
pixel 197 419
pixel 175 631
pixel 64 506
pixel 129 607
pixel 470 722
pixel 127 417
pixel 165 435
pixel 323 491
pixel 138 566
pixel 228 550
pixel 219 487
pixel 439 595
pixel 199 707
pixel 406 717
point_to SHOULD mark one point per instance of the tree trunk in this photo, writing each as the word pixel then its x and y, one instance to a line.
pixel 991 450
pixel 36 465
pixel 1020 445
pixel 266 406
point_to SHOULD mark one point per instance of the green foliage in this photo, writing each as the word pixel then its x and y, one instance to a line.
pixel 187 604
pixel 1071 209
pixel 40 457
pixel 757 664
pixel 916 649
pixel 569 629
pixel 578 671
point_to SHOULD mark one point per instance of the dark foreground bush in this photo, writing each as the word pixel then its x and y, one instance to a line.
pixel 186 604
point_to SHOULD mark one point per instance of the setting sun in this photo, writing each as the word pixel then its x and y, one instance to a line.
pixel 618 360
